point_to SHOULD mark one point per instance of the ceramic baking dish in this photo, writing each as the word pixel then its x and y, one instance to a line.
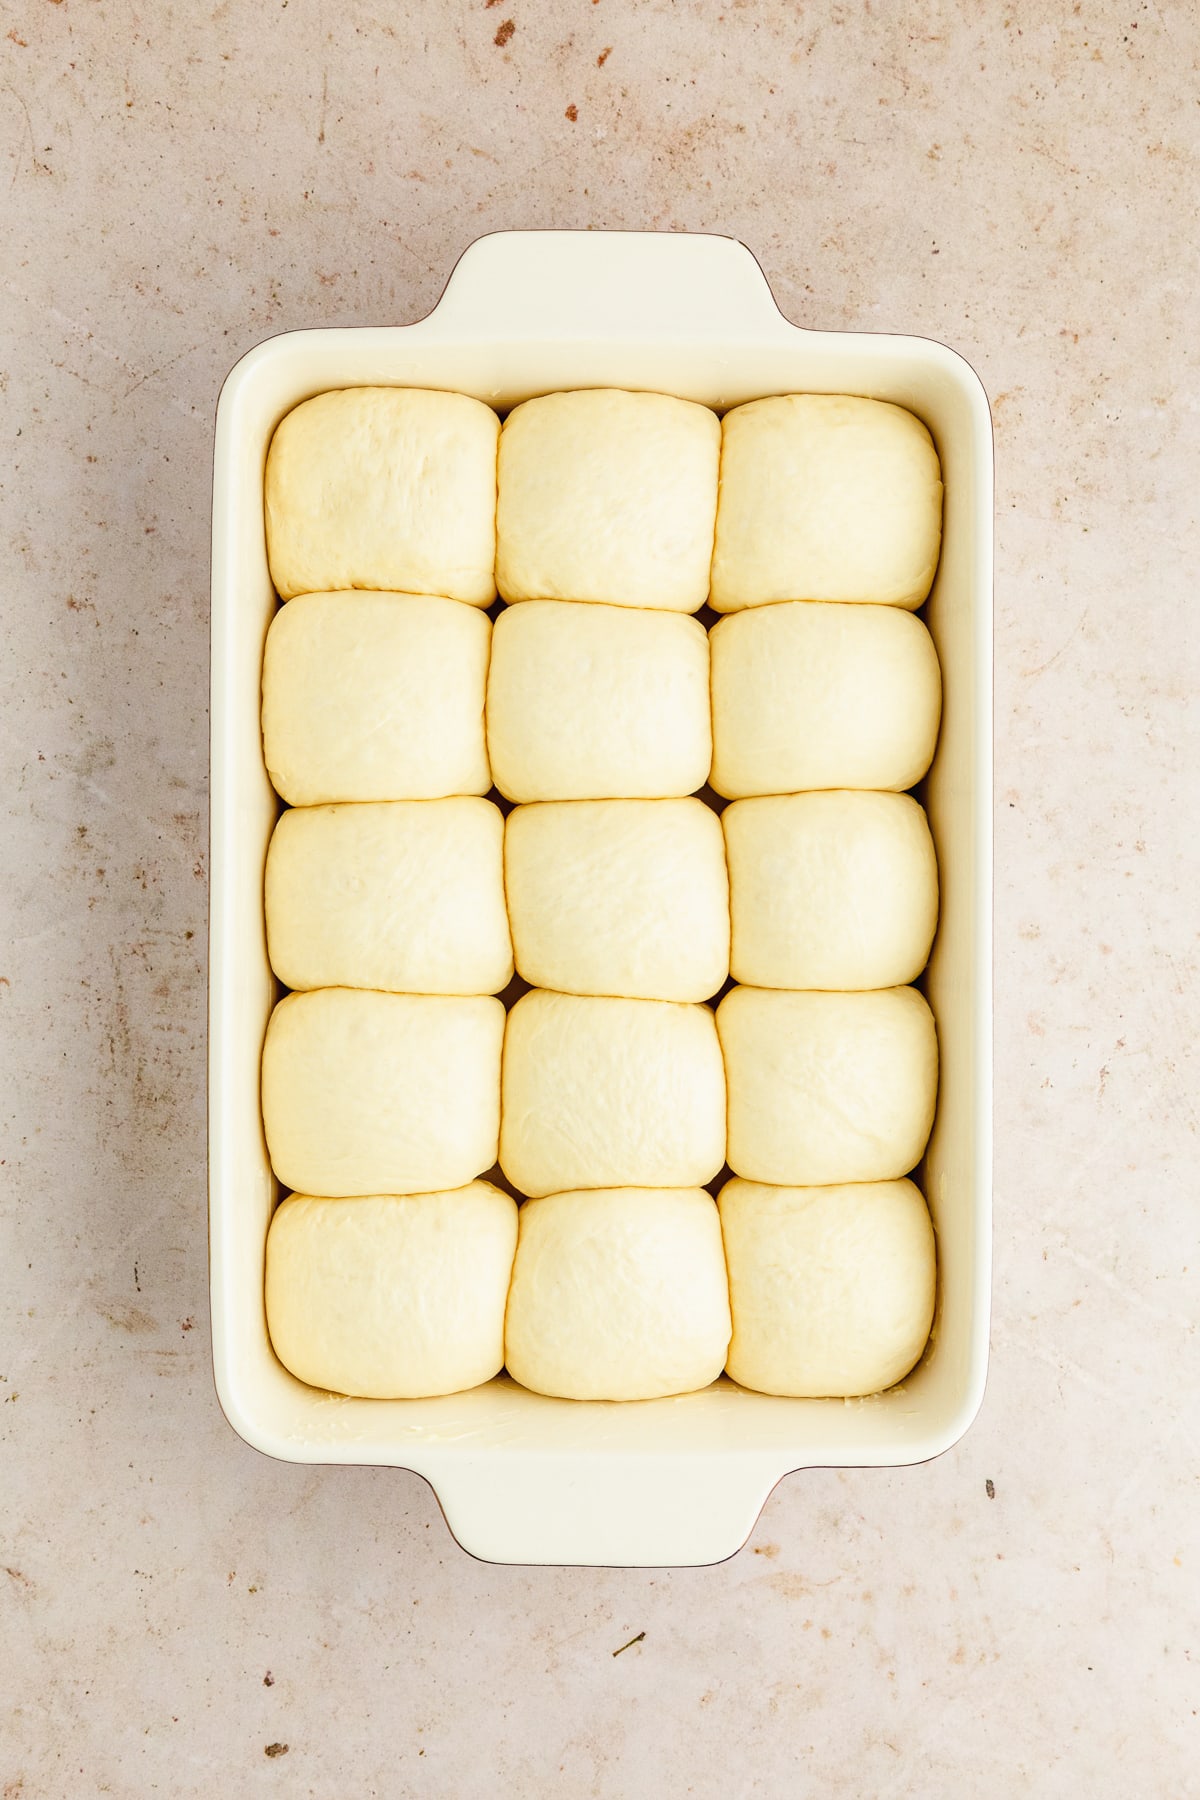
pixel 519 1477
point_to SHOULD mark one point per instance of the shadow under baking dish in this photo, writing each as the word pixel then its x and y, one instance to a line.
pixel 522 1478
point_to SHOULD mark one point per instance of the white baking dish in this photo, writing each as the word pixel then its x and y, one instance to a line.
pixel 519 1477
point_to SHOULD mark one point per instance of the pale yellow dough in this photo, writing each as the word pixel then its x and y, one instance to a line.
pixel 827 1087
pixel 597 703
pixel 623 897
pixel 832 1288
pixel 830 890
pixel 806 695
pixel 618 1294
pixel 610 1093
pixel 391 1297
pixel 608 496
pixel 406 895
pixel 366 1093
pixel 375 697
pixel 825 497
pixel 381 487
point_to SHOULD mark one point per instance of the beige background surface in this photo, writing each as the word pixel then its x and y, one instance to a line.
pixel 180 182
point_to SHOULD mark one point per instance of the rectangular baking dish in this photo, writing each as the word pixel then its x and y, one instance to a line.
pixel 522 1478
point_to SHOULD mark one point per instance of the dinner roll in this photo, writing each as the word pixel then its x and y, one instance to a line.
pixel 381 487
pixel 375 697
pixel 830 890
pixel 618 1294
pixel 403 894
pixel 610 1093
pixel 832 1288
pixel 625 897
pixel 821 696
pixel 825 497
pixel 827 1087
pixel 381 1093
pixel 606 495
pixel 597 703
pixel 391 1297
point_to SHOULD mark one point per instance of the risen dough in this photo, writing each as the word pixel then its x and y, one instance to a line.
pixel 384 488
pixel 625 897
pixel 827 1087
pixel 597 703
pixel 381 1093
pixel 607 495
pixel 375 697
pixel 618 1294
pixel 832 1288
pixel 817 696
pixel 391 1297
pixel 830 890
pixel 406 894
pixel 610 1093
pixel 825 497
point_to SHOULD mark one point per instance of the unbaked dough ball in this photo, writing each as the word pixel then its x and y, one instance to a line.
pixel 826 497
pixel 380 487
pixel 625 897
pixel 381 1093
pixel 830 890
pixel 827 1087
pixel 610 1093
pixel 391 1297
pixel 618 1294
pixel 404 894
pixel 832 1288
pixel 818 696
pixel 375 697
pixel 606 495
pixel 597 703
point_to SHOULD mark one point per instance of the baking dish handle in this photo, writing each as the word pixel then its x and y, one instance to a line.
pixel 609 1510
pixel 564 285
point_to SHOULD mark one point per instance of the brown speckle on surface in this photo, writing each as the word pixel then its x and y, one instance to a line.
pixel 504 33
pixel 989 1488
pixel 129 1318
pixel 571 113
pixel 275 1750
pixel 268 1679
pixel 604 56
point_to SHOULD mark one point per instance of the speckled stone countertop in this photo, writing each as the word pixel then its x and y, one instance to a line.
pixel 183 1617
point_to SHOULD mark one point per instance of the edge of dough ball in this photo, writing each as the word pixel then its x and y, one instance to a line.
pixel 608 513
pixel 567 1083
pixel 317 756
pixel 810 695
pixel 329 528
pixel 391 1296
pixel 633 723
pixel 825 1086
pixel 618 1294
pixel 832 1289
pixel 766 545
pixel 620 898
pixel 366 1092
pixel 400 896
pixel 782 947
